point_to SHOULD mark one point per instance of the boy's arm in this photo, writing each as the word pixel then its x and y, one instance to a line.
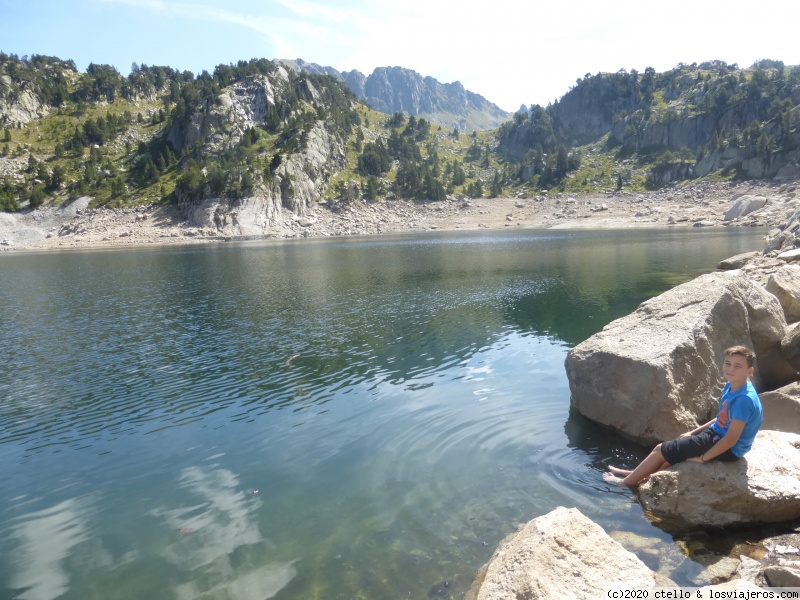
pixel 698 429
pixel 734 432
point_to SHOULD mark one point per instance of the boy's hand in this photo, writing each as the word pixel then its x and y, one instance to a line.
pixel 695 459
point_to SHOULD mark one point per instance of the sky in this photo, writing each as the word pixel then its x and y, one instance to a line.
pixel 510 52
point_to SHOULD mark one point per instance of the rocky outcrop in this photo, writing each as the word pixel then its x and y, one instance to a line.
pixel 764 487
pixel 395 89
pixel 781 164
pixel 24 108
pixel 302 176
pixel 562 554
pixel 669 173
pixel 239 107
pixel 655 374
pixel 245 217
pixel 299 182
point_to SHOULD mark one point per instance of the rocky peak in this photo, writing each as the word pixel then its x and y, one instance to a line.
pixel 396 89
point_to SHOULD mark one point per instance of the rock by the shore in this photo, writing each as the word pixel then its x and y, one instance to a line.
pixel 562 554
pixel 782 576
pixel 736 262
pixel 654 374
pixel 764 487
pixel 744 205
pixel 790 255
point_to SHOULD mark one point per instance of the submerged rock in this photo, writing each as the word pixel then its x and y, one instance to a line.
pixel 763 487
pixel 654 374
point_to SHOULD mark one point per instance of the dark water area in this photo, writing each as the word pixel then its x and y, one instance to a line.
pixel 337 418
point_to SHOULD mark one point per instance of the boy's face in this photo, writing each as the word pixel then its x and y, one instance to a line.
pixel 735 370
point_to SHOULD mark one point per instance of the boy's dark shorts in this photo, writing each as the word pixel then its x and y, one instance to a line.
pixel 682 449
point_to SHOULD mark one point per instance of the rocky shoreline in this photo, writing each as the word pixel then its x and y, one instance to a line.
pixel 75 225
pixel 652 375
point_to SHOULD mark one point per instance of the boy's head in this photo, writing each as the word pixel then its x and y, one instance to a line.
pixel 738 365
pixel 744 351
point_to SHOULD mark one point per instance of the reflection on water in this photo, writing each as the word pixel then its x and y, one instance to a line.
pixel 46 539
pixel 398 404
pixel 220 527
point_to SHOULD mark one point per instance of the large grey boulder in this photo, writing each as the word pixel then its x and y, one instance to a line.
pixel 784 284
pixel 782 409
pixel 790 256
pixel 737 262
pixel 782 576
pixel 654 374
pixel 562 554
pixel 763 487
pixel 744 206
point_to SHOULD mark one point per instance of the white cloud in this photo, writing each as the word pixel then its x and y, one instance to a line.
pixel 510 52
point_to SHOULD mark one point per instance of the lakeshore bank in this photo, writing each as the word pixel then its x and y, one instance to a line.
pixel 75 225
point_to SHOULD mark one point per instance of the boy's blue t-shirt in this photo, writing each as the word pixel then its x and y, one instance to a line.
pixel 744 405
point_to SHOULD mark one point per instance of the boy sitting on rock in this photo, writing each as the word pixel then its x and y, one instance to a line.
pixel 727 437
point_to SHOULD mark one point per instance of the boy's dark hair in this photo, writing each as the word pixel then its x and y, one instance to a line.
pixel 742 351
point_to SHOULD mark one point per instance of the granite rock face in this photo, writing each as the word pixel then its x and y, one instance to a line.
pixel 654 374
pixel 24 108
pixel 763 487
pixel 297 183
pixel 562 554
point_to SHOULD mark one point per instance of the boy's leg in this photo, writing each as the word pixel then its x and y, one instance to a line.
pixel 618 471
pixel 652 463
pixel 625 472
pixel 678 450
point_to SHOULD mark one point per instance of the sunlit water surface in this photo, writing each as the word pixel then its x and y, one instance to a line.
pixel 340 418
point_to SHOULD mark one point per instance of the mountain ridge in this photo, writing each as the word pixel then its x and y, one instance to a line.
pixel 398 89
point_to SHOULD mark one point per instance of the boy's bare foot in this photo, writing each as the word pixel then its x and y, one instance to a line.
pixel 616 471
pixel 614 480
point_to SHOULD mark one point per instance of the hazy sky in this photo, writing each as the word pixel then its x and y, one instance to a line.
pixel 511 52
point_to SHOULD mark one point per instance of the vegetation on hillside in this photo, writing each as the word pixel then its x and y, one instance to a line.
pixel 121 139
pixel 152 136
pixel 664 122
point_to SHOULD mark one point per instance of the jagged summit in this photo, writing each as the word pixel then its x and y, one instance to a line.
pixel 396 89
